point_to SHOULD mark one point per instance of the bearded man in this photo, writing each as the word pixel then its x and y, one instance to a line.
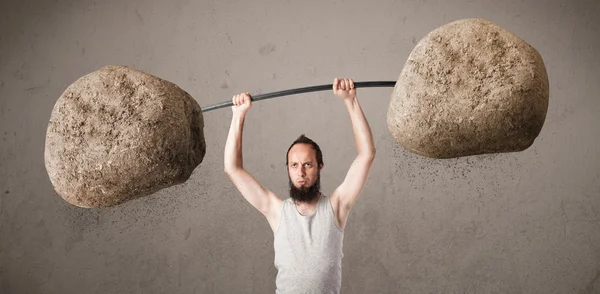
pixel 308 226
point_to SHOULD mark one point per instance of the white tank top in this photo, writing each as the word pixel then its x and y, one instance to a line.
pixel 308 250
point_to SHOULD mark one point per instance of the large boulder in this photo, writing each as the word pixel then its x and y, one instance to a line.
pixel 469 87
pixel 118 134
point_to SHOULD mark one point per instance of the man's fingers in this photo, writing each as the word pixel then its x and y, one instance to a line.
pixel 343 84
pixel 240 99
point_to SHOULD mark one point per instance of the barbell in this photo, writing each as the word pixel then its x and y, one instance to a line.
pixel 259 97
pixel 467 88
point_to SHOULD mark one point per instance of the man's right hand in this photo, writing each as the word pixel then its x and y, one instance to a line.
pixel 241 103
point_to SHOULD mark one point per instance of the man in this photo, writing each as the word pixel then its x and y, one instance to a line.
pixel 309 226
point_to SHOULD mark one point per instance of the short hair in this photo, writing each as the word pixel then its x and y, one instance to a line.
pixel 305 140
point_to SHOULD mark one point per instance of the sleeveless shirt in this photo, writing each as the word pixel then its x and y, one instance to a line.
pixel 308 250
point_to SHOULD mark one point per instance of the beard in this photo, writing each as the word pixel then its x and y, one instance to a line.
pixel 305 194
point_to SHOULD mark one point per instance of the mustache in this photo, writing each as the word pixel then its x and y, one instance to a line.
pixel 305 194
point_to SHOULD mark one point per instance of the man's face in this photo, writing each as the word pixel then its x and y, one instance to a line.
pixel 303 172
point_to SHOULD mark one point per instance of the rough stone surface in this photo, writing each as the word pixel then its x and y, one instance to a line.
pixel 118 134
pixel 469 87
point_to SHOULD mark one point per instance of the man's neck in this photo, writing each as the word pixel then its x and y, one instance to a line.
pixel 307 208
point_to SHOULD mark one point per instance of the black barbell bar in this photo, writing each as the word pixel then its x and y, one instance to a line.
pixel 302 90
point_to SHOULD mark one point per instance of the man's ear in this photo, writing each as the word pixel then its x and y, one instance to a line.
pixel 320 167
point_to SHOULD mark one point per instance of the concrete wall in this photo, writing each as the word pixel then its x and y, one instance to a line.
pixel 526 222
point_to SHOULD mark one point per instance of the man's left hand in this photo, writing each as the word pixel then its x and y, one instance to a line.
pixel 344 88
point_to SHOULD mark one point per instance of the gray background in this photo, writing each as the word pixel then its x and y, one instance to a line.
pixel 526 222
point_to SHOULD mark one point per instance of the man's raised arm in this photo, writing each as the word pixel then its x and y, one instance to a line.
pixel 348 192
pixel 262 199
